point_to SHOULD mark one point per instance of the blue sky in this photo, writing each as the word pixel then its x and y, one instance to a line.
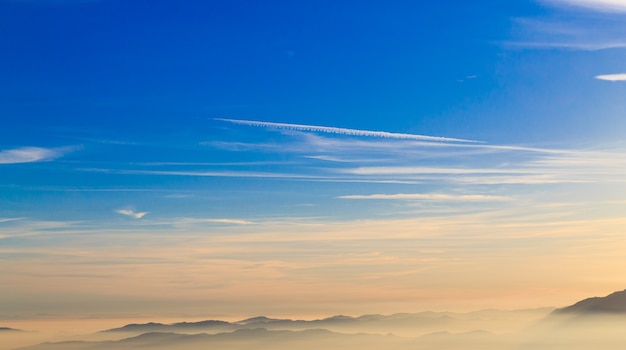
pixel 133 124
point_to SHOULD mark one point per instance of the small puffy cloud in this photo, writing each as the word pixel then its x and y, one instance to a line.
pixel 612 77
pixel 28 155
pixel 131 213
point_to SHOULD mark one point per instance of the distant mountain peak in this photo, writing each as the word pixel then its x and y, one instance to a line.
pixel 339 318
pixel 257 319
pixel 158 327
pixel 614 303
pixel 8 329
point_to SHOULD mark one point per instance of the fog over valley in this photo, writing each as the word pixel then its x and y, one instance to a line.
pixel 597 321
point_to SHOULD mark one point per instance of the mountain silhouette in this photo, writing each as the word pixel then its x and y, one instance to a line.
pixel 207 325
pixel 259 319
pixel 614 303
pixel 401 331
pixel 257 338
pixel 409 324
pixel 8 329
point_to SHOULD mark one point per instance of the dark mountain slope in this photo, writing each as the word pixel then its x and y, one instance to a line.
pixel 614 303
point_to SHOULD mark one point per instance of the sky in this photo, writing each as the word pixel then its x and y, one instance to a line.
pixel 303 158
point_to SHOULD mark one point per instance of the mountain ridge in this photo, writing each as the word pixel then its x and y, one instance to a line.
pixel 9 329
pixel 423 321
pixel 614 303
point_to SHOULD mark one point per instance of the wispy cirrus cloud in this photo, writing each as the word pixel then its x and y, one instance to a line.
pixel 612 77
pixel 596 5
pixel 401 161
pixel 564 167
pixel 132 213
pixel 351 150
pixel 580 32
pixel 343 131
pixel 9 219
pixel 54 2
pixel 586 25
pixel 29 155
pixel 26 227
pixel 410 170
pixel 214 221
pixel 203 173
pixel 439 197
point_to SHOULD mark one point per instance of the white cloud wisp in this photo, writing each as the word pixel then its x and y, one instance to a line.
pixel 429 197
pixel 28 155
pixel 575 25
pixel 596 5
pixel 612 77
pixel 131 213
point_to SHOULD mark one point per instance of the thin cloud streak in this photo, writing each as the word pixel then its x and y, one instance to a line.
pixel 9 219
pixel 215 221
pixel 408 170
pixel 203 173
pixel 440 197
pixel 515 166
pixel 294 177
pixel 612 77
pixel 25 227
pixel 580 30
pixel 331 159
pixel 614 6
pixel 402 146
pixel 344 131
pixel 582 46
pixel 55 2
pixel 341 147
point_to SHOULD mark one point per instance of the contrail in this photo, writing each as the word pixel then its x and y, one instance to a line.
pixel 344 131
